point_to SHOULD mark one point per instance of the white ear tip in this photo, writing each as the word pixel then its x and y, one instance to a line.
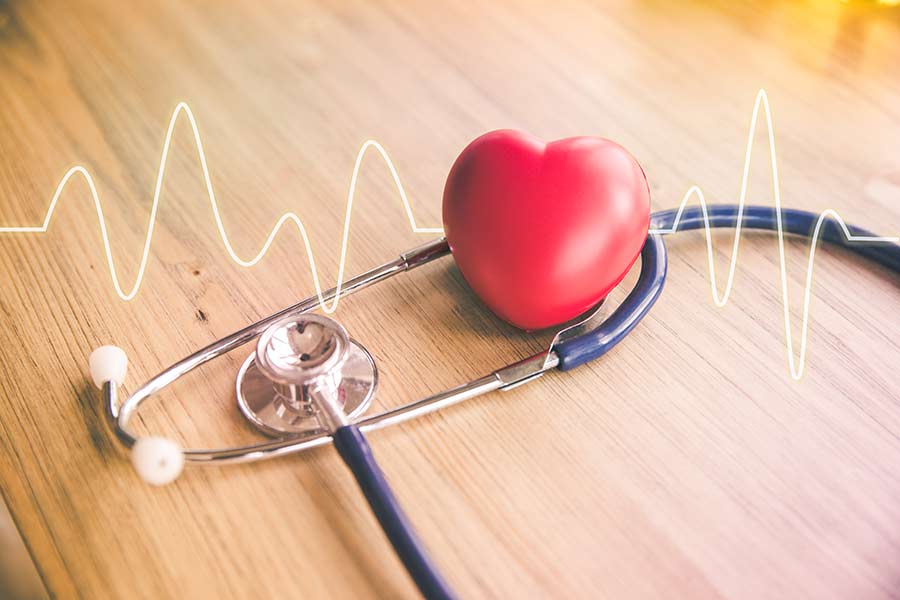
pixel 108 363
pixel 157 460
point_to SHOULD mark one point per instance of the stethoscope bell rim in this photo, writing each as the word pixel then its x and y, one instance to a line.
pixel 325 346
pixel 270 390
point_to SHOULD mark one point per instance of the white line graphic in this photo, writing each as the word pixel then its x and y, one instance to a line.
pixel 796 365
pixel 288 217
pixel 762 101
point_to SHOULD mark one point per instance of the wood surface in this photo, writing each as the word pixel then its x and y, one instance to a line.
pixel 687 463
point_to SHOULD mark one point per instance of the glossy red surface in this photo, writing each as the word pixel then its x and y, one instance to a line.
pixel 542 232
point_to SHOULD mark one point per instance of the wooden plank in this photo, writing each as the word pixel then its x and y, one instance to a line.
pixel 687 463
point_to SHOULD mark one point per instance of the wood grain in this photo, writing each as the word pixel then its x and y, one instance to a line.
pixel 687 463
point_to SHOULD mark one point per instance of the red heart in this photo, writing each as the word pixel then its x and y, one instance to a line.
pixel 543 232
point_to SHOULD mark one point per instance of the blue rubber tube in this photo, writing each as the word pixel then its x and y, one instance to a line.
pixel 598 342
pixel 637 304
pixel 357 455
pixel 798 222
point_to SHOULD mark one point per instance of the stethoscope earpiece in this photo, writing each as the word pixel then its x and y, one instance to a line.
pixel 108 363
pixel 157 460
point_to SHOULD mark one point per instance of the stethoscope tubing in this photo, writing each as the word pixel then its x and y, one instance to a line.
pixel 648 288
pixel 646 291
pixel 794 221
pixel 356 453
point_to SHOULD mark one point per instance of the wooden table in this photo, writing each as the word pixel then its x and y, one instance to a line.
pixel 687 463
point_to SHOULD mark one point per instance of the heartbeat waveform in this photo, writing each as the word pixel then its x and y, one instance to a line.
pixel 796 366
pixel 291 217
pixel 762 102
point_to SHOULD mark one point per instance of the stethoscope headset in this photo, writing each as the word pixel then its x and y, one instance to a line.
pixel 308 383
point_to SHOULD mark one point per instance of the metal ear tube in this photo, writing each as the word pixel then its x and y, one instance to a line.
pixel 157 460
pixel 263 384
pixel 308 383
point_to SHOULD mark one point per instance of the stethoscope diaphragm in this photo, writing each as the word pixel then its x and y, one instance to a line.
pixel 296 357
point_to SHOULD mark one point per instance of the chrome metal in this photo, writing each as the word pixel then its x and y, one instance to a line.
pixel 304 359
pixel 291 445
pixel 433 403
pixel 331 412
pixel 504 378
pixel 110 393
pixel 111 402
pixel 303 356
pixel 579 325
pixel 526 370
pixel 271 408
pixel 424 253
pixel 303 349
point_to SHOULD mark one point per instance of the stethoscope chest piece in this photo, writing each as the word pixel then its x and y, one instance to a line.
pixel 297 358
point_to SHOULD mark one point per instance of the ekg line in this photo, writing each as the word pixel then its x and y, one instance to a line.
pixel 796 366
pixel 291 217
pixel 762 102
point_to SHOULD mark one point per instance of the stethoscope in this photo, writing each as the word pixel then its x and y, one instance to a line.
pixel 308 383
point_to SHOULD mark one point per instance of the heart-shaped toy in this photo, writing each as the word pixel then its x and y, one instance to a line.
pixel 543 232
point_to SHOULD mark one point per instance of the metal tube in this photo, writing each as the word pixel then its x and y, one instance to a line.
pixel 476 387
pixel 408 260
pixel 501 379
